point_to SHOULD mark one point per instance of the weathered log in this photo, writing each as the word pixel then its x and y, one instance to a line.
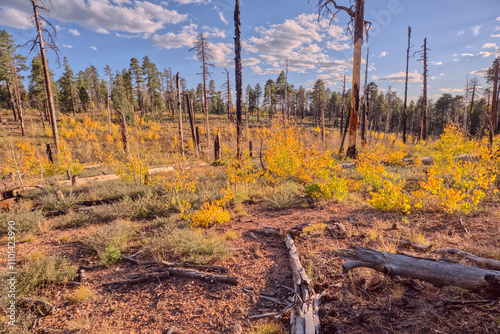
pixel 304 318
pixel 438 273
pixel 144 278
pixel 488 263
pixel 42 307
pixel 267 231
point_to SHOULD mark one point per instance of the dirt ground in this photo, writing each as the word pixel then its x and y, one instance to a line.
pixel 361 301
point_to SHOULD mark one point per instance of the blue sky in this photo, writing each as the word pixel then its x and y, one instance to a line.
pixel 464 38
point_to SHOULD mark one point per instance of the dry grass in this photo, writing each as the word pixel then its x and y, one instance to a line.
pixel 82 293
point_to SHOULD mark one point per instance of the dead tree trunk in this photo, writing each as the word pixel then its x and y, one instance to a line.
pixel 342 110
pixel 125 137
pixel 46 75
pixel 238 72
pixel 465 121
pixel 494 103
pixel 304 319
pixel 179 107
pixel 359 25
pixel 474 84
pixel 423 116
pixel 406 86
pixel 17 96
pixel 438 273
pixel 192 123
pixel 229 103
pixel 365 101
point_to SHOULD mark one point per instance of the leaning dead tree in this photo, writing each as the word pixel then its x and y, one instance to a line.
pixel 406 85
pixel 357 13
pixel 438 273
pixel 41 41
pixel 238 75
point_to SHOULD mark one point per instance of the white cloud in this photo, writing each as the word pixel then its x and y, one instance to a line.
pixel 383 54
pixel 475 30
pixel 489 46
pixel 437 63
pixel 337 46
pixel 467 54
pixel 297 39
pixel 401 76
pixel 460 32
pixel 140 16
pixel 452 90
pixel 93 48
pixel 497 35
pixel 67 46
pixel 441 73
pixel 222 54
pixel 222 18
pixel 187 2
pixel 481 72
pixel 213 32
pixel 250 61
pixel 74 32
pixel 256 70
pixel 432 78
pixel 15 18
pixel 187 37
pixel 498 19
pixel 485 53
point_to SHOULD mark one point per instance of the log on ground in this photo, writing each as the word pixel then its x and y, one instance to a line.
pixel 438 273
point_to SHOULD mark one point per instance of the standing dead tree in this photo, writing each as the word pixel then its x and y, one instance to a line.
pixel 179 107
pixel 227 86
pixel 423 115
pixel 356 13
pixel 473 82
pixel 494 103
pixel 406 85
pixel 238 75
pixel 41 41
pixel 365 101
pixel 204 55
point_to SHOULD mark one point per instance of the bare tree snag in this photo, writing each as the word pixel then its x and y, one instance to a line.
pixel 304 318
pixel 406 85
pixel 438 273
pixel 488 263
pixel 474 82
pixel 365 101
pixel 238 74
pixel 46 75
pixel 179 107
pixel 217 154
pixel 228 93
pixel 423 114
pixel 189 104
pixel 494 103
pixel 125 136
pixel 342 112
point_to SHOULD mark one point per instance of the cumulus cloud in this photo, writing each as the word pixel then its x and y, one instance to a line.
pixel 437 63
pixel 489 46
pixel 383 54
pixel 67 46
pixel 467 54
pixel 481 72
pixel 139 16
pixel 451 90
pixel 222 54
pixel 14 18
pixel 213 32
pixel 74 32
pixel 250 61
pixel 401 76
pixel 187 2
pixel 297 39
pixel 497 35
pixel 475 30
pixel 170 40
pixel 93 48
pixel 256 70
pixel 460 32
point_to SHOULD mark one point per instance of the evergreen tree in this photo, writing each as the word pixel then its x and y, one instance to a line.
pixel 67 89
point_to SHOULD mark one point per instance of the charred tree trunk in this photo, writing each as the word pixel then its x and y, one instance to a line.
pixel 323 125
pixel 423 116
pixel 494 103
pixel 238 72
pixel 359 24
pixel 389 113
pixel 406 86
pixel 342 109
pixel 474 84
pixel 46 75
pixel 229 103
pixel 192 123
pixel 125 136
pixel 365 101
pixel 11 100
pixel 179 106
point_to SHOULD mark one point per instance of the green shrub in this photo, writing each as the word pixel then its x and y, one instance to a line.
pixel 188 245
pixel 27 221
pixel 110 240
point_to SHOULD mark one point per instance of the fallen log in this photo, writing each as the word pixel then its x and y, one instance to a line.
pixel 304 318
pixel 488 263
pixel 179 272
pixel 438 273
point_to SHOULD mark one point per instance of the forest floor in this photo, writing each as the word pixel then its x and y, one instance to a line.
pixel 362 301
